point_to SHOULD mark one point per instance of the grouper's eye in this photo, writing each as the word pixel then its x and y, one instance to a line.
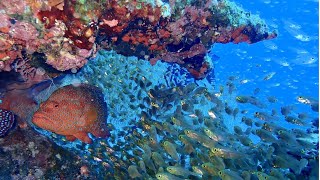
pixel 56 105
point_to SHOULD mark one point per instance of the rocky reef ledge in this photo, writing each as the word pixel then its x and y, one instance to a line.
pixel 67 33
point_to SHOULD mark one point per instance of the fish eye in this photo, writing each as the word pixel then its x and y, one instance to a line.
pixel 165 143
pixel 220 172
pixel 159 176
pixel 56 105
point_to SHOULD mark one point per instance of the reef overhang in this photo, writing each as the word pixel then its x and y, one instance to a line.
pixel 68 33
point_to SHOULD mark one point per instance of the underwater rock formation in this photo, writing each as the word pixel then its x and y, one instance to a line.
pixel 68 32
pixel 25 154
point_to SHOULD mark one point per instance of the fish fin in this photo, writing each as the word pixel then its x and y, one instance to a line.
pixel 47 84
pixel 88 117
pixel 83 136
pixel 102 132
pixel 70 138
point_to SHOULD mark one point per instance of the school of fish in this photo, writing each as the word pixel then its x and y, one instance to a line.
pixel 192 132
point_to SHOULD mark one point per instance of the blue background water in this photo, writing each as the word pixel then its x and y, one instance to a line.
pixel 293 55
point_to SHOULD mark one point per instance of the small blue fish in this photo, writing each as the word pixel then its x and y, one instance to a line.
pixel 7 120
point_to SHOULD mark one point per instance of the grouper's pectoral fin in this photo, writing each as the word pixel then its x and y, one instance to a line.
pixel 83 136
pixel 88 118
pixel 100 131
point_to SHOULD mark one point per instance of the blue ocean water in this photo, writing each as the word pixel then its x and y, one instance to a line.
pixel 292 56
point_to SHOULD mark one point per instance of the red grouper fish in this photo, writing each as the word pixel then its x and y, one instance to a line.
pixel 74 111
pixel 17 104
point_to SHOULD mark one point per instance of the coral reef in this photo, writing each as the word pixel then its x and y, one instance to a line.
pixel 162 124
pixel 25 154
pixel 68 32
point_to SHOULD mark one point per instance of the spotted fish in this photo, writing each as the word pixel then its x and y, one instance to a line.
pixel 7 120
pixel 74 111
pixel 19 98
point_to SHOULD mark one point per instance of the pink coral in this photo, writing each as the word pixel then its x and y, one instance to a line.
pixel 66 59
pixel 197 15
pixel 27 33
pixel 24 36
pixel 177 28
pixel 13 6
pixel 66 35
pixel 15 37
pixel 4 23
pixel 5 65
pixel 30 75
